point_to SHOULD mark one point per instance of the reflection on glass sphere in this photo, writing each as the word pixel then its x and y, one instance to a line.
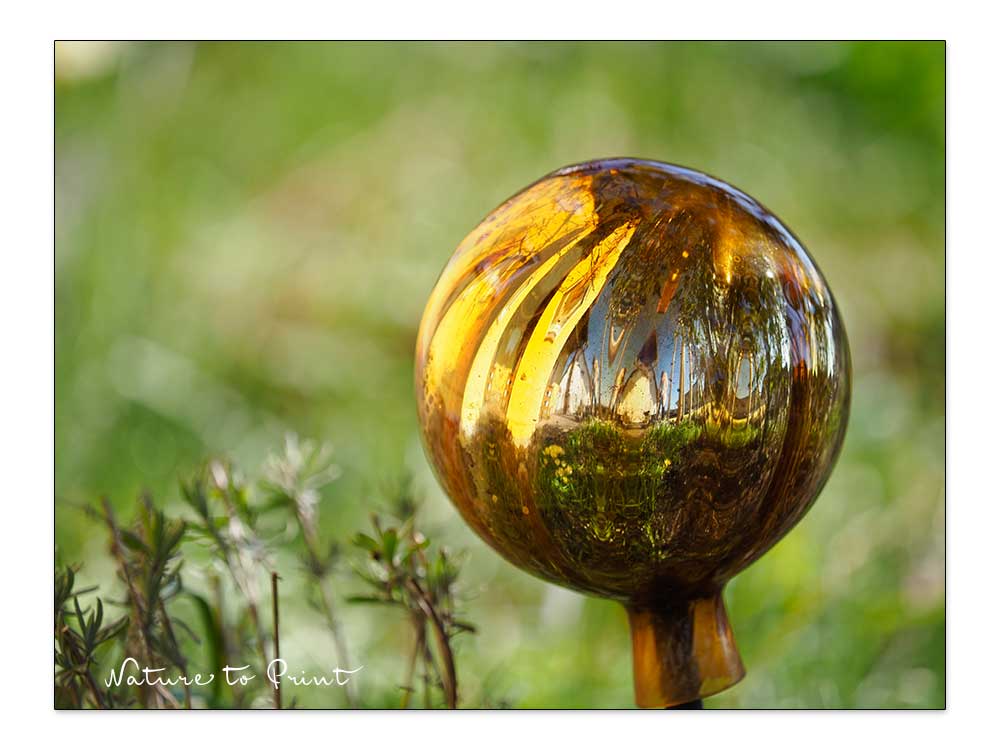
pixel 632 380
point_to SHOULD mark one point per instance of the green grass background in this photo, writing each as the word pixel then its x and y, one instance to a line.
pixel 246 235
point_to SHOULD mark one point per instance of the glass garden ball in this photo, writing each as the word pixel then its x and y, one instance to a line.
pixel 633 380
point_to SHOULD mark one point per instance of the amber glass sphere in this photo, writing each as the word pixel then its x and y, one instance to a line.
pixel 633 380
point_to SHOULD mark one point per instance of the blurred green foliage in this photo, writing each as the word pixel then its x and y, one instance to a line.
pixel 246 235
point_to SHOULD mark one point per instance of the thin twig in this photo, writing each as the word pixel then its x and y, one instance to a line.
pixel 441 636
pixel 416 650
pixel 274 619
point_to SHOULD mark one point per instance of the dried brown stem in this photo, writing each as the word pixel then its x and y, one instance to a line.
pixel 275 645
pixel 449 682
pixel 420 639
